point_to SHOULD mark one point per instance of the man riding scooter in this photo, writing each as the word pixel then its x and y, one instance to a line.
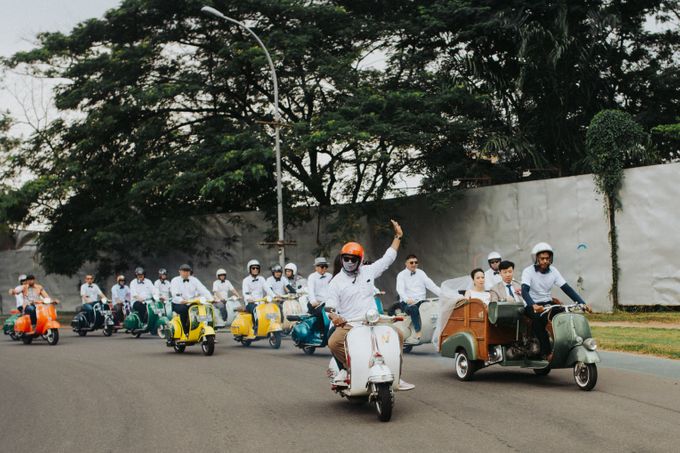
pixel 351 292
pixel 120 294
pixel 185 288
pixel 412 286
pixel 90 295
pixel 32 293
pixel 17 292
pixel 162 285
pixel 142 290
pixel 254 288
pixel 537 283
pixel 296 283
pixel 221 289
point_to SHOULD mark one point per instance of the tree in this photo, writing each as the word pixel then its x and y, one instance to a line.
pixel 613 141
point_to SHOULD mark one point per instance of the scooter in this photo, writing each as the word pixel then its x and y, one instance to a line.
pixel 46 325
pixel 291 306
pixel 306 332
pixel 231 306
pixel 429 313
pixel 103 319
pixel 201 328
pixel 374 359
pixel 268 324
pixel 156 320
pixel 8 325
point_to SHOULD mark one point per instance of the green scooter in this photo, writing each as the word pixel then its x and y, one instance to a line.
pixel 477 336
pixel 8 325
pixel 156 320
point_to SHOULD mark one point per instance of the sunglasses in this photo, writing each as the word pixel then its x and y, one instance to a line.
pixel 413 262
pixel 255 267
pixel 350 259
pixel 494 261
pixel 324 266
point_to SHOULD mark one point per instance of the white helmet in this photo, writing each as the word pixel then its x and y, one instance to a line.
pixel 494 256
pixel 22 277
pixel 252 263
pixel 539 248
pixel 292 267
pixel 222 272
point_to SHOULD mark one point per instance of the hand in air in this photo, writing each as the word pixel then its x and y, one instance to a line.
pixel 397 228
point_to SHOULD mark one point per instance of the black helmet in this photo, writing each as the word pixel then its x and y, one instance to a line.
pixel 162 271
pixel 276 268
pixel 185 267
pixel 139 271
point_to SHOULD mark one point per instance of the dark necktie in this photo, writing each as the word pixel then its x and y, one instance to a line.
pixel 254 280
pixel 496 273
pixel 509 286
pixel 322 277
pixel 139 282
pixel 413 273
pixel 89 286
pixel 186 280
pixel 121 286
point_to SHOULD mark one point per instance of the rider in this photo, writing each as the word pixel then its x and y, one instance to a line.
pixel 255 287
pixel 317 282
pixel 162 285
pixel 277 282
pixel 296 282
pixel 32 292
pixel 492 276
pixel 142 290
pixel 17 292
pixel 221 288
pixel 412 286
pixel 351 293
pixel 508 289
pixel 537 282
pixel 185 288
pixel 120 293
pixel 90 294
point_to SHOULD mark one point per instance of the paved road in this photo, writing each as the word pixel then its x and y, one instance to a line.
pixel 123 394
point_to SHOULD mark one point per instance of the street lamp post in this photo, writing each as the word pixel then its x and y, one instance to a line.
pixel 277 126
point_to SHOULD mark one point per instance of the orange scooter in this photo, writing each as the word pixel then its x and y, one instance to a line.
pixel 46 326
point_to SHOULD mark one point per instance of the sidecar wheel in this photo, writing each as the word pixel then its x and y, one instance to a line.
pixel 465 367
pixel 542 371
pixel 275 340
pixel 384 402
pixel 52 337
pixel 585 375
pixel 179 348
pixel 82 333
pixel 27 339
pixel 408 348
pixel 208 345
pixel 309 350
pixel 108 331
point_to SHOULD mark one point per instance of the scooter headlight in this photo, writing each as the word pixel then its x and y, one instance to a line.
pixel 272 316
pixel 372 316
pixel 578 340
pixel 590 344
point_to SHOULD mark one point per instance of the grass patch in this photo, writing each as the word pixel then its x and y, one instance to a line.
pixel 660 342
pixel 667 317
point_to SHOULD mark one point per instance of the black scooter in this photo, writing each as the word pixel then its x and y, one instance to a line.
pixel 103 319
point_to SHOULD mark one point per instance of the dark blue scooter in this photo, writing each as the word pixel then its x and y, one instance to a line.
pixel 311 330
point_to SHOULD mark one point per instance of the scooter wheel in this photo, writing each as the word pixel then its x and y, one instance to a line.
pixel 179 348
pixel 108 331
pixel 465 367
pixel 542 371
pixel 585 375
pixel 82 333
pixel 275 340
pixel 208 345
pixel 13 336
pixel 138 334
pixel 384 402
pixel 246 342
pixel 309 350
pixel 52 337
pixel 27 339
pixel 408 348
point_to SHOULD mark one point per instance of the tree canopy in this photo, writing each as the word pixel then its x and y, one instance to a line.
pixel 166 114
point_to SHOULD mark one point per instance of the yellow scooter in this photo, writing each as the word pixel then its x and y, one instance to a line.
pixel 201 328
pixel 268 324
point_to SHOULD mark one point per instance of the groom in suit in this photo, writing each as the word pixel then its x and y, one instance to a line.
pixel 508 289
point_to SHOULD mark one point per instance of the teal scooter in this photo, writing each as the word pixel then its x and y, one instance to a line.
pixel 156 320
pixel 8 325
pixel 310 330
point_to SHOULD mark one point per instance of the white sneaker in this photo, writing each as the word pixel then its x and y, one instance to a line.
pixel 404 386
pixel 340 378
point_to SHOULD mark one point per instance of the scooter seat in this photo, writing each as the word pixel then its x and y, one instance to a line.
pixel 293 318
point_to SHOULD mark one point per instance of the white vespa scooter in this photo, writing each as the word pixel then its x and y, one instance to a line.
pixel 232 305
pixel 429 314
pixel 373 359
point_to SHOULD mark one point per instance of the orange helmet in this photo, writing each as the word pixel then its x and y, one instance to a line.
pixel 353 248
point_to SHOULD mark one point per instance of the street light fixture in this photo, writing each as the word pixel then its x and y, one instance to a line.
pixel 277 125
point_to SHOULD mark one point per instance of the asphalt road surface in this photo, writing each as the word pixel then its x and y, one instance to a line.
pixel 123 394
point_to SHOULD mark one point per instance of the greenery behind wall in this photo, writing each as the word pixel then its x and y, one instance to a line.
pixel 171 109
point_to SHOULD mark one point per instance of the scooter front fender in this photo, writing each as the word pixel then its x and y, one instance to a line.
pixel 274 327
pixel 208 330
pixel 380 373
pixel 581 354
pixel 52 325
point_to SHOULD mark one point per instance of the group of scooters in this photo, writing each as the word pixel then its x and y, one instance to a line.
pixel 19 326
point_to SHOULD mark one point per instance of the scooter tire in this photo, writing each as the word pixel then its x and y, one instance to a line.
pixel 82 333
pixel 408 348
pixel 309 350
pixel 542 371
pixel 275 340
pixel 464 367
pixel 52 337
pixel 208 345
pixel 246 343
pixel 179 348
pixel 27 339
pixel 384 402
pixel 585 375
pixel 108 331
pixel 13 336
pixel 138 334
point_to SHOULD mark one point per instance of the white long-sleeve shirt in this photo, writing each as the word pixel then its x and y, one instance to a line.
pixel 353 295
pixel 256 288
pixel 120 294
pixel 19 296
pixel 141 290
pixel 278 286
pixel 317 286
pixel 221 289
pixel 163 288
pixel 188 289
pixel 90 293
pixel 414 285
